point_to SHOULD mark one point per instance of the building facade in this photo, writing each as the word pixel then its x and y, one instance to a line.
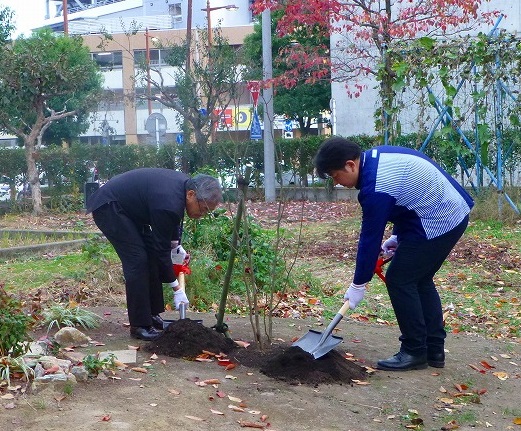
pixel 136 27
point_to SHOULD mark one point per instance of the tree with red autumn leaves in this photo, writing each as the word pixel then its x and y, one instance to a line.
pixel 360 31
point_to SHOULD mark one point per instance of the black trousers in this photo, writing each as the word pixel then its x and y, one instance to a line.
pixel 415 300
pixel 144 289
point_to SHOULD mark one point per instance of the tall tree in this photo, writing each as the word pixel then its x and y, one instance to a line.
pixel 43 79
pixel 6 24
pixel 365 28
pixel 304 100
pixel 204 86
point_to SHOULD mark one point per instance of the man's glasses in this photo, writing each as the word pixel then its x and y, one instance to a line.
pixel 203 210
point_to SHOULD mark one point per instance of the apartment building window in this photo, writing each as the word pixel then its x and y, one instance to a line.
pixel 174 10
pixel 158 57
pixel 108 60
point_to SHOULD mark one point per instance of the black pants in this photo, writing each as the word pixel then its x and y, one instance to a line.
pixel 416 302
pixel 132 243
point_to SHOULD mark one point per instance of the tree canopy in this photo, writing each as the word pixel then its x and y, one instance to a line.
pixel 43 79
pixel 305 101
pixel 363 30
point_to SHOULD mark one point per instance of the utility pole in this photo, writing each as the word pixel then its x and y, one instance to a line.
pixel 267 96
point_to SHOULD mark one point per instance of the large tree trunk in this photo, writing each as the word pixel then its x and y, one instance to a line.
pixel 33 175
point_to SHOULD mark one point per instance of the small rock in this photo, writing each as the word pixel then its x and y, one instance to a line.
pixel 80 373
pixel 70 337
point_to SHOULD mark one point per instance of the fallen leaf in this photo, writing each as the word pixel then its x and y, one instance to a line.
pixel 234 399
pixel 517 421
pixel 212 381
pixel 154 357
pixel 136 379
pixel 461 387
pixel 52 370
pixel 486 365
pixel 505 356
pixel 174 391
pixel 9 406
pixel 140 370
pixel 130 347
pixel 105 418
pixel 216 412
pixel 230 367
pixel 203 359
pixel 229 376
pixel 153 405
pixel 446 400
pixel 194 418
pixel 7 397
pixel 501 375
pixel 220 394
pixel 241 343
pixel 251 424
pixel 235 408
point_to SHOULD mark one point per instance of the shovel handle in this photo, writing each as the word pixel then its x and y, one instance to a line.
pixel 181 280
pixel 344 308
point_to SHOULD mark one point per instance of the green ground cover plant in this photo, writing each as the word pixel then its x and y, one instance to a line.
pixel 479 283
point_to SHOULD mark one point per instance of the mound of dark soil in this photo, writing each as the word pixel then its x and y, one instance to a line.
pixel 295 366
pixel 187 339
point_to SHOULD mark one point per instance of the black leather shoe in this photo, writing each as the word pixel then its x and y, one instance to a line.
pixel 402 362
pixel 436 360
pixel 146 333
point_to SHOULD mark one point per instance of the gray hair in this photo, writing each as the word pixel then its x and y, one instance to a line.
pixel 207 188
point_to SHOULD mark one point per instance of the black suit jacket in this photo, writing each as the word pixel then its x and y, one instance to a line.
pixel 149 196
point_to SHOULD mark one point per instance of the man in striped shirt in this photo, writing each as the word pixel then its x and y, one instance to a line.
pixel 429 211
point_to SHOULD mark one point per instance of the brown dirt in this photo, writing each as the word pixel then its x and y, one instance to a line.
pixel 188 339
pixel 477 390
pixel 173 394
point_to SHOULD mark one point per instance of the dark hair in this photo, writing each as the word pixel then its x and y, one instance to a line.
pixel 207 188
pixel 333 155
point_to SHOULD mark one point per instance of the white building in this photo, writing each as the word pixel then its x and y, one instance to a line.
pixel 122 120
pixel 355 116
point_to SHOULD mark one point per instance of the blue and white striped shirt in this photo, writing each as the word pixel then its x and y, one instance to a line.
pixel 405 187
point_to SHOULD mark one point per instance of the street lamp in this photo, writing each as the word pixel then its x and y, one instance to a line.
pixel 209 9
pixel 147 60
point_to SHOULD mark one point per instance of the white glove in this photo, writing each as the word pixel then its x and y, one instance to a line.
pixel 354 294
pixel 390 244
pixel 179 256
pixel 179 297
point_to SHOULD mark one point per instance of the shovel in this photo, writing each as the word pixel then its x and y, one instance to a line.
pixel 317 344
pixel 184 305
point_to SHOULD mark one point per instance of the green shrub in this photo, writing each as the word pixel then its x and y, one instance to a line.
pixel 61 315
pixel 14 326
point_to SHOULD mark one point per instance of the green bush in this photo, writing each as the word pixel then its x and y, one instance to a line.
pixel 210 241
pixel 14 326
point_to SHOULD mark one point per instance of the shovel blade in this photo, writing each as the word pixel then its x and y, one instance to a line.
pixel 317 347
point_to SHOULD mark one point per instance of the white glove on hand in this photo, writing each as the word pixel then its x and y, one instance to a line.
pixel 179 297
pixel 179 256
pixel 390 244
pixel 354 294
